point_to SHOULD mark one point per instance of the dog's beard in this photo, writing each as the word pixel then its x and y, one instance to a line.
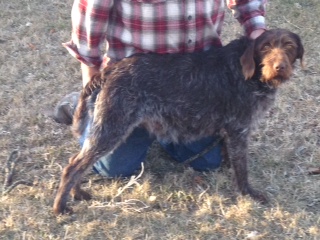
pixel 273 78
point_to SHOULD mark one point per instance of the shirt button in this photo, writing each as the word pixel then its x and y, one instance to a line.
pixel 189 17
pixel 189 41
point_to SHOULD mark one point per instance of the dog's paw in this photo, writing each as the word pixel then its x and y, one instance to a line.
pixel 258 196
pixel 80 195
pixel 57 210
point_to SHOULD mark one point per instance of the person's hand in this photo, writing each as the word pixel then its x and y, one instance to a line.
pixel 256 33
pixel 87 73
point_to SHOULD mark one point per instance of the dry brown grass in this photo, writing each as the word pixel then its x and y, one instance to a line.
pixel 168 201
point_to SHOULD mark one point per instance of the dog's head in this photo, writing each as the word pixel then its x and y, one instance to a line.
pixel 274 52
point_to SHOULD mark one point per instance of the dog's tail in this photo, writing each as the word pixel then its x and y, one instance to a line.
pixel 81 116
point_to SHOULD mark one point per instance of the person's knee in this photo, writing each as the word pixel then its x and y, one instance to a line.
pixel 109 170
pixel 208 161
pixel 127 158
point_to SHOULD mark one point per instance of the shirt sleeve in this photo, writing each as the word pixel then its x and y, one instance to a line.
pixel 249 13
pixel 89 25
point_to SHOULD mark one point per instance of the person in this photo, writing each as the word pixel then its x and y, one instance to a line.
pixel 127 27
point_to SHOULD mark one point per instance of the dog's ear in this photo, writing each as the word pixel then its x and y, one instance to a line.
pixel 247 61
pixel 300 49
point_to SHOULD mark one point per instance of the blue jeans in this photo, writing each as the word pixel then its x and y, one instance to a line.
pixel 127 158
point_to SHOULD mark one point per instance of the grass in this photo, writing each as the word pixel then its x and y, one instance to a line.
pixel 168 201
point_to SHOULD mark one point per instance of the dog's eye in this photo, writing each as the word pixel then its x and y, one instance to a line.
pixel 266 47
pixel 289 45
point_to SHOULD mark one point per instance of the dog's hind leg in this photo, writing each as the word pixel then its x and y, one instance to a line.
pixel 77 193
pixel 237 148
pixel 106 135
pixel 71 176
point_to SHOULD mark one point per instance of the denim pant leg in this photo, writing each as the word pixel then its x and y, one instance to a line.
pixel 182 152
pixel 127 158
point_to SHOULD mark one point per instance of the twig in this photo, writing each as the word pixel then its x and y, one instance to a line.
pixel 314 171
pixel 130 202
pixel 203 192
pixel 12 186
pixel 296 26
pixel 8 186
pixel 203 152
pixel 9 168
pixel 126 205
pixel 132 181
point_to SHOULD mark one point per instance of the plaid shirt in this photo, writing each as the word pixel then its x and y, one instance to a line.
pixel 161 26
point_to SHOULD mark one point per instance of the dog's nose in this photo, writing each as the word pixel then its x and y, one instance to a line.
pixel 279 67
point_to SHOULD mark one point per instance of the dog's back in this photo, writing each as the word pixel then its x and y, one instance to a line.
pixel 175 95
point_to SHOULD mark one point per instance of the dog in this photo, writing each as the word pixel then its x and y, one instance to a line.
pixel 183 98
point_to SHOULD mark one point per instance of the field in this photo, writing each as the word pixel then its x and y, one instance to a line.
pixel 168 201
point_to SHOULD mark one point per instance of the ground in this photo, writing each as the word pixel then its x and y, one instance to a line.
pixel 168 201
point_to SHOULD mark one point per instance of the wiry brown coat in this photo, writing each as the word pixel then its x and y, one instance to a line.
pixel 182 98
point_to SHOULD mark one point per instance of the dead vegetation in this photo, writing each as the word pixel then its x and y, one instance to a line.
pixel 168 201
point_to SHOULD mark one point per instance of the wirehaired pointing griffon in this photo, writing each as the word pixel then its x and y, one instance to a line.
pixel 182 98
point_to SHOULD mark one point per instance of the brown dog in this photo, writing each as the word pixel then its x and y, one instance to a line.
pixel 182 98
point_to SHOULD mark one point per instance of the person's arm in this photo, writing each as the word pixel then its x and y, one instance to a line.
pixel 89 26
pixel 250 14
pixel 256 33
pixel 87 73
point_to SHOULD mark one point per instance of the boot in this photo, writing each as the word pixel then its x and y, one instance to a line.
pixel 63 112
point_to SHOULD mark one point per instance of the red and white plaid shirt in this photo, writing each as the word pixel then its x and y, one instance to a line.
pixel 161 26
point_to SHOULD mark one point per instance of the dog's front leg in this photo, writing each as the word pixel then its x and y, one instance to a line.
pixel 237 148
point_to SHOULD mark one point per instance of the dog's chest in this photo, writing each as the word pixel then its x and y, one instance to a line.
pixel 263 103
